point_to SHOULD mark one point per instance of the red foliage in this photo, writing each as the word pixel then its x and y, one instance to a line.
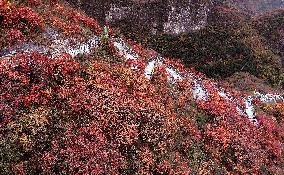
pixel 123 122
pixel 87 21
pixel 14 36
pixel 124 111
pixel 75 19
pixel 229 137
pixel 20 17
pixel 35 2
pixel 25 80
pixel 67 28
pixel 83 150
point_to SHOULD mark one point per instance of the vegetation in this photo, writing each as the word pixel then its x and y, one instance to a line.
pixel 95 115
pixel 235 43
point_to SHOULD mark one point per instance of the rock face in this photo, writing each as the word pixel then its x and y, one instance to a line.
pixel 164 16
pixel 149 16
pixel 186 16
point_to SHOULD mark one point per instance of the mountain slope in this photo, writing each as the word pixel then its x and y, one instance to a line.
pixel 79 99
pixel 224 47
pixel 257 6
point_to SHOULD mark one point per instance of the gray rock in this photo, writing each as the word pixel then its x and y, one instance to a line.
pixel 149 16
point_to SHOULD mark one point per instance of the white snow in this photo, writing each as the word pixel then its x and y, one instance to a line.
pixel 173 75
pixel 61 45
pixel 58 45
pixel 250 109
pixel 269 98
pixel 198 92
pixel 125 51
pixel 223 94
pixel 149 69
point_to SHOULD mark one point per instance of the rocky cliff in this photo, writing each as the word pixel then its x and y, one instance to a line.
pixel 165 16
pixel 153 16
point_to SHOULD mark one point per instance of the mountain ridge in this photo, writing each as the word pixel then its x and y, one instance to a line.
pixel 114 107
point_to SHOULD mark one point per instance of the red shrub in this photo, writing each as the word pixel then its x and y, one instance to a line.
pixel 125 123
pixel 83 151
pixel 34 2
pixel 22 17
pixel 14 36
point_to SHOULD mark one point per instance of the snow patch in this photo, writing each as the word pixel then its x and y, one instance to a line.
pixel 124 50
pixel 250 109
pixel 58 45
pixel 223 94
pixel 61 46
pixel 198 92
pixel 173 75
pixel 268 98
pixel 149 69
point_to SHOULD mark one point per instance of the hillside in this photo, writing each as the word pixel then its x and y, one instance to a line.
pixel 81 98
pixel 255 7
pixel 224 47
pixel 148 17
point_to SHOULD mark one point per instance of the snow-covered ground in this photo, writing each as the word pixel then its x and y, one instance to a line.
pixel 124 50
pixel 269 98
pixel 60 45
pixel 199 92
pixel 57 45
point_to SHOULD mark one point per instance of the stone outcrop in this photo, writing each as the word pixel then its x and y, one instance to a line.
pixel 164 16
pixel 149 16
